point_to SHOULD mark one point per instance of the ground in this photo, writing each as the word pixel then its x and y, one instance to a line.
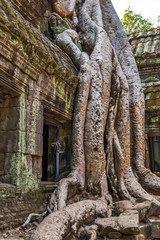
pixel 18 233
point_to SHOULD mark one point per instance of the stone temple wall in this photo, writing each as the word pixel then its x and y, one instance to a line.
pixel 37 86
pixel 146 49
pixel 35 77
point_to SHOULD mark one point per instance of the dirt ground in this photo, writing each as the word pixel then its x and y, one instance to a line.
pixel 18 233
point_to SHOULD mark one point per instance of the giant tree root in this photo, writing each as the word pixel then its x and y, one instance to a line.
pixel 120 43
pixel 109 105
pixel 107 83
pixel 63 224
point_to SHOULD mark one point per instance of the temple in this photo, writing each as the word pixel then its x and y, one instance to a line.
pixel 37 89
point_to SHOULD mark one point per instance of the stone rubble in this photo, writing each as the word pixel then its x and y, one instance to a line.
pixel 131 223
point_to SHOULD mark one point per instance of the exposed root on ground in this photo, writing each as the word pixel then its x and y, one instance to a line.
pixel 66 222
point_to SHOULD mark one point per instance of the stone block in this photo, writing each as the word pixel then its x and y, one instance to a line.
pixel 39 120
pixel 9 141
pixel 39 145
pixel 143 209
pixel 114 235
pixel 145 230
pixel 10 102
pixel 8 158
pixel 22 142
pixel 2 161
pixel 9 118
pixel 37 166
pixel 34 121
pixel 141 237
pixel 34 144
pixel 128 237
pixel 128 221
pixel 29 161
pixel 155 229
pixel 107 225
pixel 123 205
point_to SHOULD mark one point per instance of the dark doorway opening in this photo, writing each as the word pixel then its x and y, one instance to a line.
pixel 154 150
pixel 56 152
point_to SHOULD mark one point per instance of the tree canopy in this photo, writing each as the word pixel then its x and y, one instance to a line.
pixel 133 22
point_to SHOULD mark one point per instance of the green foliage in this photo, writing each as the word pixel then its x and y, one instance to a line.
pixel 158 21
pixel 133 22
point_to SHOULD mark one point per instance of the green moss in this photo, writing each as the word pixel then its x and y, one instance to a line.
pixel 155 119
pixel 61 88
pixel 152 103
pixel 20 174
pixel 55 85
pixel 78 44
pixel 23 51
pixel 148 61
pixel 23 39
pixel 69 99
pixel 1 33
pixel 150 79
pixel 22 112
pixel 62 25
pixel 4 5
pixel 13 42
pixel 8 54
pixel 33 127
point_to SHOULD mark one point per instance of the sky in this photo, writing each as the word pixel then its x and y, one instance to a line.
pixel 149 9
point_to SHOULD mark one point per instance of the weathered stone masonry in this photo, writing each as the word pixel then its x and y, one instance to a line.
pixel 146 49
pixel 43 80
pixel 37 86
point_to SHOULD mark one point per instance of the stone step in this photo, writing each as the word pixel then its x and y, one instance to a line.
pixel 128 222
pixel 155 229
pixel 107 225
pixel 115 227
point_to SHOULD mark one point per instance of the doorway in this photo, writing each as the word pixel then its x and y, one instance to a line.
pixel 154 150
pixel 56 152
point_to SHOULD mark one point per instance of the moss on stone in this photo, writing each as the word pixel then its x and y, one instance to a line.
pixel 152 103
pixel 152 89
pixel 33 127
pixel 21 175
pixel 150 79
pixel 145 61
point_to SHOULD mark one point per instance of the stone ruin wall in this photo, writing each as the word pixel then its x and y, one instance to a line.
pixel 36 79
pixel 146 49
pixel 37 84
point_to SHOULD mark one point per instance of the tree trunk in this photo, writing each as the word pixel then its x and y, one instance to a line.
pixel 108 123
pixel 119 40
